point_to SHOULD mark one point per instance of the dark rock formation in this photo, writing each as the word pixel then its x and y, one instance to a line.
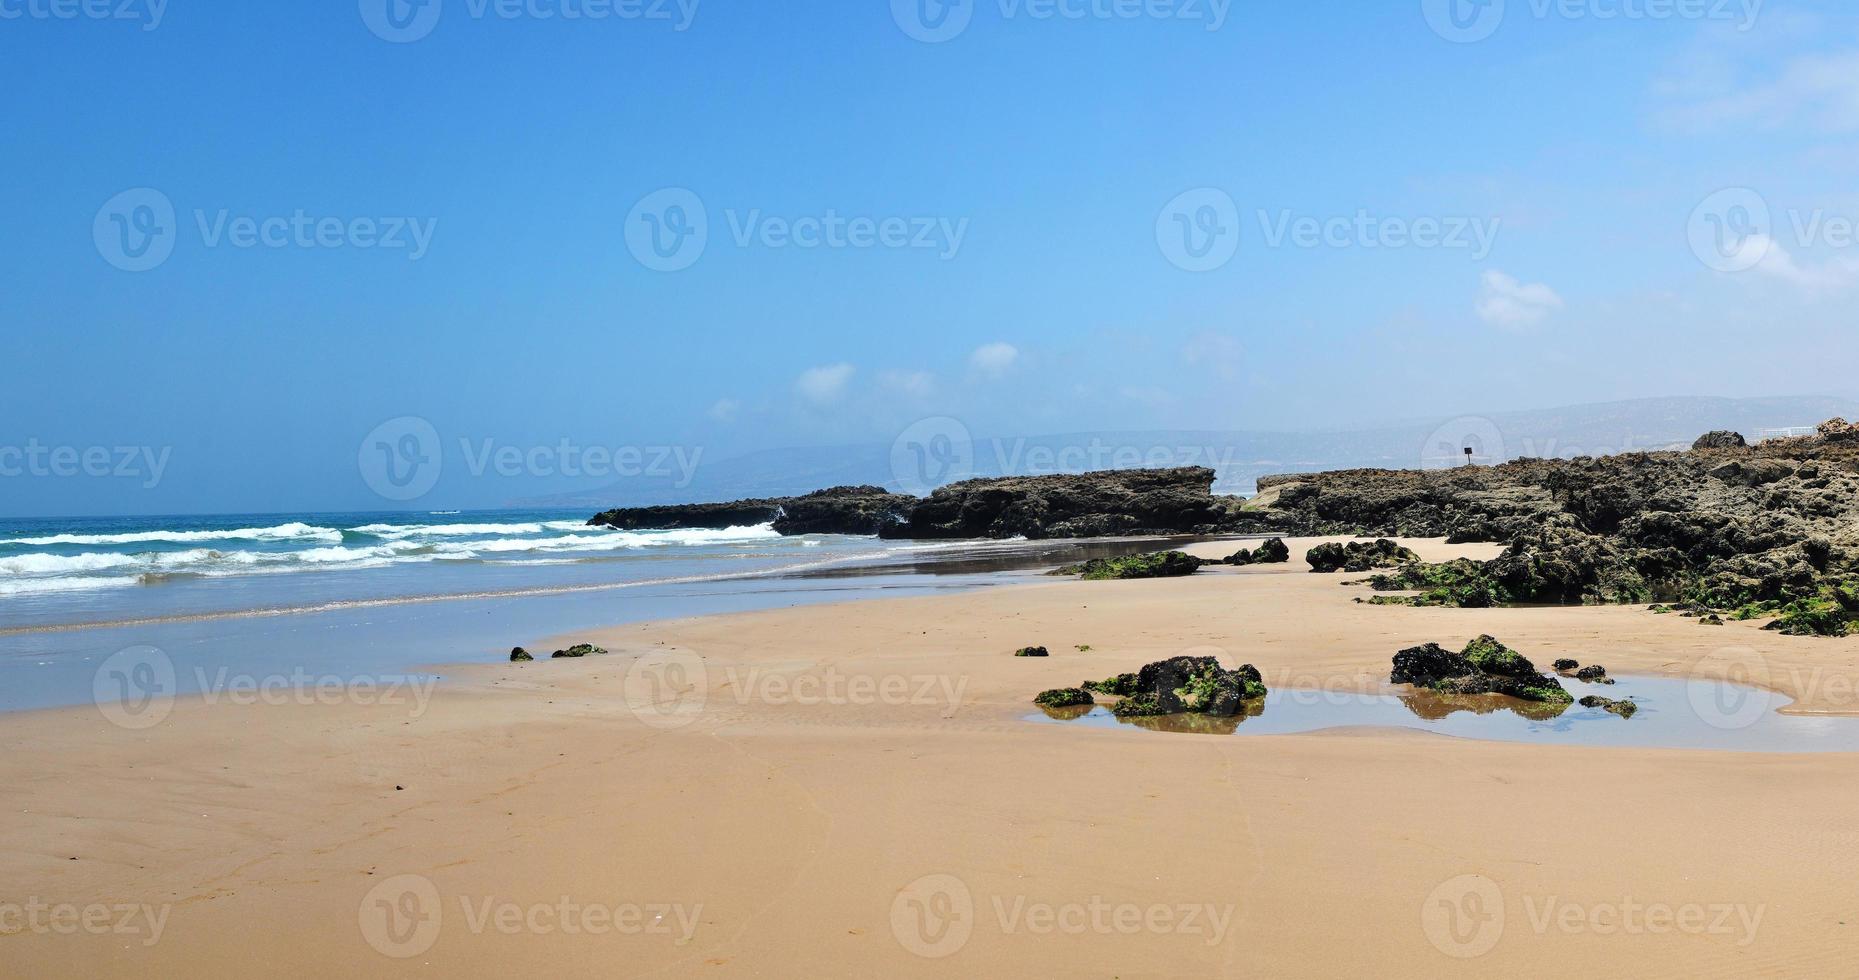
pixel 1031 652
pixel 577 651
pixel 1485 666
pixel 1158 564
pixel 1592 672
pixel 520 656
pixel 1358 556
pixel 1624 709
pixel 1113 502
pixel 838 510
pixel 1064 697
pixel 1720 439
pixel 1564 665
pixel 1182 684
pixel 1763 531
pixel 1273 552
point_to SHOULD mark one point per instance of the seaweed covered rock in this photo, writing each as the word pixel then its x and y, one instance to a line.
pixel 1064 697
pixel 1592 672
pixel 1358 556
pixel 1272 552
pixel 577 651
pixel 1460 582
pixel 520 656
pixel 1624 709
pixel 1198 685
pixel 1485 666
pixel 1564 665
pixel 1159 564
pixel 1031 652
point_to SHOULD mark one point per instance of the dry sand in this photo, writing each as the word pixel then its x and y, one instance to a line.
pixel 856 794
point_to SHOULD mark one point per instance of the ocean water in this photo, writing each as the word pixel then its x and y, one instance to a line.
pixel 365 595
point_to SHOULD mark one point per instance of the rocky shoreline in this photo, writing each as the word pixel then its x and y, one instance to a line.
pixel 1750 531
pixel 1109 503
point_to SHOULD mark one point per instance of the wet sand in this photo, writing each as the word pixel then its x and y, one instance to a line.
pixel 852 790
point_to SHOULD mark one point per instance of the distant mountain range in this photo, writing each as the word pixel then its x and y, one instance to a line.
pixel 940 451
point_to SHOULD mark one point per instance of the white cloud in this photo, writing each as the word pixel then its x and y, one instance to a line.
pixel 1773 260
pixel 1514 305
pixel 994 359
pixel 1818 90
pixel 725 409
pixel 916 384
pixel 822 385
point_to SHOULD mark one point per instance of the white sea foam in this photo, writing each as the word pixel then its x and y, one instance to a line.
pixel 282 532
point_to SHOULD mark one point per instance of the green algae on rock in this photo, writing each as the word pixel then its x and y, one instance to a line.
pixel 1158 564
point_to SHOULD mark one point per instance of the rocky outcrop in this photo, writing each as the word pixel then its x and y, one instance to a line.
pixel 1196 685
pixel 1754 531
pixel 578 651
pixel 1720 439
pixel 1273 552
pixel 1159 564
pixel 1112 502
pixel 1485 666
pixel 1358 556
pixel 1031 652
pixel 1625 709
pixel 838 510
pixel 1064 697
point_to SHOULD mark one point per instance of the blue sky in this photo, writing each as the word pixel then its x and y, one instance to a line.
pixel 481 181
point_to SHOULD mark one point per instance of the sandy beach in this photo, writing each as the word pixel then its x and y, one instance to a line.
pixel 855 790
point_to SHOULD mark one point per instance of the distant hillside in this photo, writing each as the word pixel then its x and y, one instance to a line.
pixel 1239 457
